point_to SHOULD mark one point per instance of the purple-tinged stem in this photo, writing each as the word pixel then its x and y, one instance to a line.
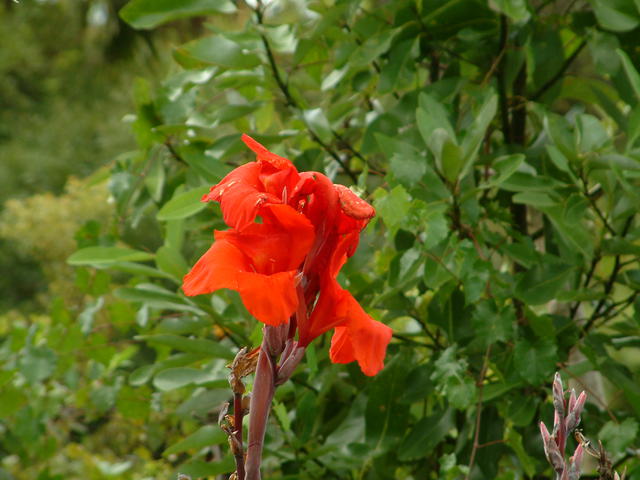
pixel 261 397
pixel 237 424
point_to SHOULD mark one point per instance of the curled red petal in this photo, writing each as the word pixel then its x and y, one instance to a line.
pixel 265 155
pixel 241 195
pixel 217 268
pixel 272 299
pixel 361 338
pixel 352 205
pixel 357 336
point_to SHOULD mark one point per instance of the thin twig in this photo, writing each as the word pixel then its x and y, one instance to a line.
pixel 476 435
pixel 567 63
pixel 292 103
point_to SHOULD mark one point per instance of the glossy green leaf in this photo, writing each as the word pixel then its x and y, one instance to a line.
pixel 193 345
pixel 632 73
pixel 173 378
pixel 223 51
pixel 535 361
pixel 183 205
pixel 148 14
pixel 205 436
pixel 104 256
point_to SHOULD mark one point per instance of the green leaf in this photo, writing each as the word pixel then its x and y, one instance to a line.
pixel 630 70
pixel 382 425
pixel 514 440
pixel 173 378
pixel 617 436
pixel 475 135
pixel 318 123
pixel 202 469
pixel 592 134
pixel 134 403
pixel 517 10
pixel 183 204
pixel 280 411
pixel 223 51
pixel 101 256
pixel 171 261
pixel 157 297
pixel 193 345
pixel 493 325
pixel 505 166
pixel 543 282
pixel 431 115
pixel 38 364
pixel 559 130
pixel 392 206
pixel 450 159
pixel 13 399
pixel 203 437
pixel 141 375
pixel 616 15
pixel 535 199
pixel 408 169
pixel 147 14
pixel 535 361
pixel 426 435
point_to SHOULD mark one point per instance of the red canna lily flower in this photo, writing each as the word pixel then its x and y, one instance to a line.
pixel 285 267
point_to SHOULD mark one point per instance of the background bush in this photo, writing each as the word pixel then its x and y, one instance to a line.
pixel 498 141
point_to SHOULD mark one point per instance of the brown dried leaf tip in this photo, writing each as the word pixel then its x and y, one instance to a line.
pixel 243 364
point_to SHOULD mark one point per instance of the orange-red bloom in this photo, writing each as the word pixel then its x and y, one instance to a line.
pixel 285 266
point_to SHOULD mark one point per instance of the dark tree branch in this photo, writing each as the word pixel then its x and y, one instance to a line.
pixel 567 63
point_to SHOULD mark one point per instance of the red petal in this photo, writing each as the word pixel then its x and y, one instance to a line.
pixel 272 299
pixel 278 244
pixel 265 155
pixel 352 205
pixel 241 195
pixel 217 268
pixel 341 347
pixel 363 339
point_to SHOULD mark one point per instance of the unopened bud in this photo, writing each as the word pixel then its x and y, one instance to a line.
pixel 558 395
pixel 571 422
pixel 545 438
pixel 576 459
pixel 275 338
pixel 572 400
pixel 289 365
pixel 555 457
pixel 557 422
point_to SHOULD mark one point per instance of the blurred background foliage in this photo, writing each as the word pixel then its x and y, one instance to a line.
pixel 498 140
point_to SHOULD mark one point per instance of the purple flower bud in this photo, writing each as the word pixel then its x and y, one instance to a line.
pixel 558 395
pixel 289 365
pixel 575 461
pixel 582 398
pixel 545 438
pixel 557 422
pixel 577 456
pixel 571 422
pixel 275 338
pixel 551 449
pixel 572 399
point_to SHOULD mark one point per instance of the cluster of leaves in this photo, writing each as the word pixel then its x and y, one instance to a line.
pixel 498 141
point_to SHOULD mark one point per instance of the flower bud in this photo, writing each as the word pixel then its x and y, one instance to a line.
pixel 275 338
pixel 558 395
pixel 289 365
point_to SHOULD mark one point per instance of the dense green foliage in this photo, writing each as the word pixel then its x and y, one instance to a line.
pixel 498 141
